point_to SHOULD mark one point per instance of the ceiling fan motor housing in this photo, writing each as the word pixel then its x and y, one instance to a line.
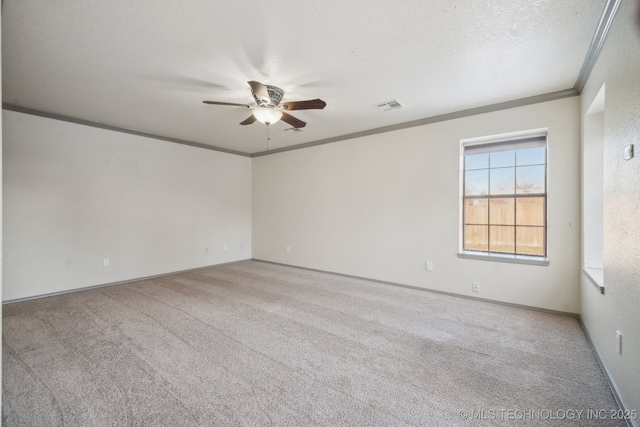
pixel 276 94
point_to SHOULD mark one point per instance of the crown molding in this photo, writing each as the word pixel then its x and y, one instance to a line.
pixel 10 107
pixel 600 35
pixel 434 119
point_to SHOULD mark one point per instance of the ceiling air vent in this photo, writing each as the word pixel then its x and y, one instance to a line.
pixel 293 130
pixel 389 105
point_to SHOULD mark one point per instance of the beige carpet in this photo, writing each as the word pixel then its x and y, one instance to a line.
pixel 258 344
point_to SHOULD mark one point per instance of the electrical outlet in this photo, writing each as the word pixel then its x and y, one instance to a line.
pixel 619 342
pixel 288 248
pixel 225 248
pixel 428 266
pixel 475 286
pixel 206 250
pixel 106 262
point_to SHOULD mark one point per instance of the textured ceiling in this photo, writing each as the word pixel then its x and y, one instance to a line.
pixel 147 65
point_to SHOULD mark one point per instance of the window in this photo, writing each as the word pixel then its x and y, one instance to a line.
pixel 505 197
pixel 592 191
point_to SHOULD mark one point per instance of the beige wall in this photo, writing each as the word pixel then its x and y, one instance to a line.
pixel 618 68
pixel 381 206
pixel 74 195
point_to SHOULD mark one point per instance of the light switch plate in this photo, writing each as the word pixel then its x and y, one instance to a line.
pixel 628 152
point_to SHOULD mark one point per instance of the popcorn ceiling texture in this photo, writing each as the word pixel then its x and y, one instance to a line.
pixel 148 65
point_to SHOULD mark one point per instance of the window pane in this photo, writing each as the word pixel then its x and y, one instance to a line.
pixel 476 211
pixel 476 237
pixel 531 156
pixel 505 197
pixel 501 159
pixel 502 211
pixel 476 183
pixel 476 161
pixel 502 181
pixel 530 179
pixel 502 239
pixel 530 211
pixel 530 240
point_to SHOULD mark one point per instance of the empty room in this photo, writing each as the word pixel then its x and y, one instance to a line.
pixel 295 213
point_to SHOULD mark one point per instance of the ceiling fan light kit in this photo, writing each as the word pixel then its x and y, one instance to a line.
pixel 267 115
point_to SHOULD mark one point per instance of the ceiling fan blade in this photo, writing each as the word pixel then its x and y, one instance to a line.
pixel 313 104
pixel 260 92
pixel 296 123
pixel 226 103
pixel 249 120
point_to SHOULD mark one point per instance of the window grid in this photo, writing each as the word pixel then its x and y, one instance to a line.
pixel 514 196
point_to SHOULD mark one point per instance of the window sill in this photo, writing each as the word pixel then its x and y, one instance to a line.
pixel 516 259
pixel 596 277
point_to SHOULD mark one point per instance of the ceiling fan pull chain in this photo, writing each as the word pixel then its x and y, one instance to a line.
pixel 268 137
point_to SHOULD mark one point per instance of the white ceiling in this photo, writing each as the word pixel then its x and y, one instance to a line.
pixel 147 65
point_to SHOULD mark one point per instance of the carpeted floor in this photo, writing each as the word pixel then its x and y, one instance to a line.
pixel 259 344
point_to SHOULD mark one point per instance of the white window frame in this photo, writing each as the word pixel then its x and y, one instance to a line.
pixel 495 256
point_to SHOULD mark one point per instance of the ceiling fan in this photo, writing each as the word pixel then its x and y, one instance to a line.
pixel 269 110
